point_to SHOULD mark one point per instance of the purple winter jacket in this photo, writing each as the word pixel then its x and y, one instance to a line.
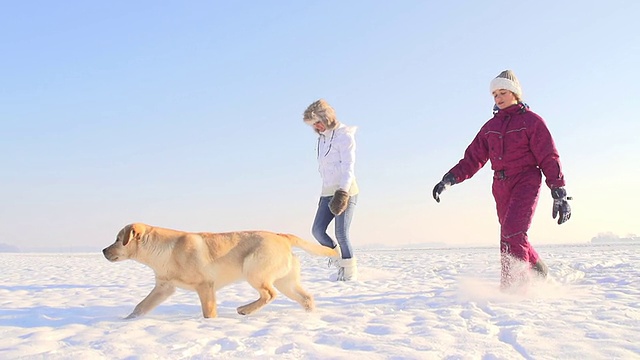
pixel 515 139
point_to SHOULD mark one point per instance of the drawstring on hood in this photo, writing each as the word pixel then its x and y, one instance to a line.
pixel 333 133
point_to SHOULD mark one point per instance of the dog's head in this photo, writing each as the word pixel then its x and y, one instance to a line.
pixel 126 244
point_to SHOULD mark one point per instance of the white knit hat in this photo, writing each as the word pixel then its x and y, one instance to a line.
pixel 506 80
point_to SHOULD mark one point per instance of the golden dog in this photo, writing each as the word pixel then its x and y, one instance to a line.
pixel 206 262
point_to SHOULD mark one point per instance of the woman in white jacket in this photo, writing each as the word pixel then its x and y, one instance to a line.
pixel 336 153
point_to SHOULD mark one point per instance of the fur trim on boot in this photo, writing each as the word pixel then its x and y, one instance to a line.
pixel 339 202
pixel 348 270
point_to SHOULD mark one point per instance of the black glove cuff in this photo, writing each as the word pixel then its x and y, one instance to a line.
pixel 558 193
pixel 449 179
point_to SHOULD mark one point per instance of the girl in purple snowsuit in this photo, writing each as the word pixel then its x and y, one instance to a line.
pixel 520 147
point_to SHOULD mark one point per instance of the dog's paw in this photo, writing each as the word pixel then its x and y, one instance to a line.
pixel 132 316
pixel 243 310
pixel 309 307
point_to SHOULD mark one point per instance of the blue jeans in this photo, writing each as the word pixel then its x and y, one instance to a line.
pixel 342 225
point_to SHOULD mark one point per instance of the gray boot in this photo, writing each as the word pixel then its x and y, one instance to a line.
pixel 348 270
pixel 541 269
pixel 335 261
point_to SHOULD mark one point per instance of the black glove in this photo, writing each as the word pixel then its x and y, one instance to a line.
pixel 561 207
pixel 339 202
pixel 447 180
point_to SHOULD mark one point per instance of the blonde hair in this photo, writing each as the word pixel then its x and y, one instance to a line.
pixel 320 110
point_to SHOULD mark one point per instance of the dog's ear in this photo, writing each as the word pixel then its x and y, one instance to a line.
pixel 135 233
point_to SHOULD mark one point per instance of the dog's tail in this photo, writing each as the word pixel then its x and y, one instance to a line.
pixel 311 248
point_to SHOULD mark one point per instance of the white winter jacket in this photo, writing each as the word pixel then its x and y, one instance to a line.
pixel 336 151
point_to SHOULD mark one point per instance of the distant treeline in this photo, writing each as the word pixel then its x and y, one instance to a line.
pixel 613 238
pixel 8 248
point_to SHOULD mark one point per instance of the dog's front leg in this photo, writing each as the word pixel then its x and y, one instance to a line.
pixel 207 293
pixel 160 293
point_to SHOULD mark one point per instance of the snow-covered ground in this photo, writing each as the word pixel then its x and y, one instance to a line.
pixel 408 304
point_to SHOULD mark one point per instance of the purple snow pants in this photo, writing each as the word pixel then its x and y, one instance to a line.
pixel 516 199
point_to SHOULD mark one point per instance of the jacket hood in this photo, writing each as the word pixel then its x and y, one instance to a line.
pixel 518 108
pixel 321 111
pixel 341 129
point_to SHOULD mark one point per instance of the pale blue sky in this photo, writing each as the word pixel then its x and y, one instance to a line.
pixel 188 114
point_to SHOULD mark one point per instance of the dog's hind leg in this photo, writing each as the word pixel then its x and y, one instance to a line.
pixel 291 288
pixel 267 294
pixel 207 294
pixel 160 293
pixel 296 293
